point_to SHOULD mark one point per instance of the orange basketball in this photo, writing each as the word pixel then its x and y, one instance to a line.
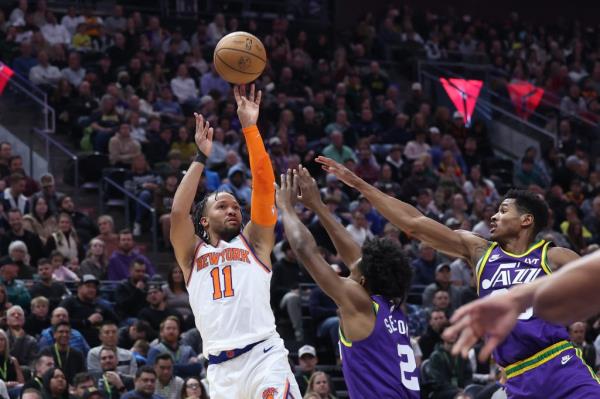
pixel 240 57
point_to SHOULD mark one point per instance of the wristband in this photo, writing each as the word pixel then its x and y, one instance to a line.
pixel 201 158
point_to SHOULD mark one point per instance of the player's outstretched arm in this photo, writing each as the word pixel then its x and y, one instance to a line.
pixel 310 196
pixel 182 226
pixel 571 294
pixel 347 294
pixel 407 218
pixel 263 217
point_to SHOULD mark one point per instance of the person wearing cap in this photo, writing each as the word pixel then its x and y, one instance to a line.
pixel 67 358
pixel 337 149
pixel 156 310
pixel 86 311
pixel 307 365
pixel 442 282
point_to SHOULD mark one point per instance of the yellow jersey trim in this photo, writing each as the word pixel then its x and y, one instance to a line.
pixel 580 356
pixel 482 263
pixel 533 247
pixel 346 342
pixel 537 359
pixel 545 265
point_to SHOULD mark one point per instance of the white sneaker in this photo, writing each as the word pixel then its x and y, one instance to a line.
pixel 137 229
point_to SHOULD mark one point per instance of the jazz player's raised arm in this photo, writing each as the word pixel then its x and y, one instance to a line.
pixel 182 226
pixel 310 196
pixel 261 229
pixel 457 243
pixel 346 293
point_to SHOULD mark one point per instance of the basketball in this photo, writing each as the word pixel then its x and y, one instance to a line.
pixel 240 57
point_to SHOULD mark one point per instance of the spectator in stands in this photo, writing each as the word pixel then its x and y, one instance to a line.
pixel 145 385
pixel 320 383
pixel 577 332
pixel 416 148
pixel 167 107
pixel 122 258
pixel 16 292
pixel 12 374
pixel 137 330
pixel 74 72
pixel 60 272
pixel 157 310
pixel 442 282
pixel 22 345
pixel 437 322
pixel 193 388
pixel 307 365
pixel 106 226
pixel 104 123
pixel 449 374
pixel 359 228
pixel 163 201
pixel 96 261
pixel 83 224
pixel 324 313
pixel 337 150
pixel 424 266
pixel 184 87
pixel 86 311
pixel 108 335
pixel 122 148
pixel 38 319
pixel 17 252
pixel 213 82
pixel 237 185
pixel 288 274
pixel 65 239
pixel 69 359
pixel 527 175
pixel 40 220
pixel 56 385
pixel 40 365
pixel 24 62
pixel 44 74
pixel 182 355
pixel 130 294
pixel 168 385
pixel 47 287
pixel 112 383
pixel 55 34
pixel 143 182
pixel 13 196
pixel 76 340
pixel 5 155
pixel 176 294
pixel 116 22
pixel 15 165
pixel 83 382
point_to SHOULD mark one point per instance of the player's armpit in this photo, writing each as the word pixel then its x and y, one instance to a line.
pixel 559 256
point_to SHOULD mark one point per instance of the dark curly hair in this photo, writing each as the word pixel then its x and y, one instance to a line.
pixel 529 202
pixel 386 269
pixel 198 212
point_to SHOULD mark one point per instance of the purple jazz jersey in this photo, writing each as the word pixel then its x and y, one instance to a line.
pixel 564 377
pixel 497 272
pixel 383 364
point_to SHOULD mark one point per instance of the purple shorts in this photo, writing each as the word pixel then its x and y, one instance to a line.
pixel 564 376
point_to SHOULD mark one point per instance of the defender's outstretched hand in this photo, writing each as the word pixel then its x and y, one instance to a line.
pixel 287 194
pixel 204 135
pixel 309 191
pixel 492 317
pixel 248 106
pixel 340 171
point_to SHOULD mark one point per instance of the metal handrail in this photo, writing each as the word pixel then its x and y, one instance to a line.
pixel 502 111
pixel 38 96
pixel 51 140
pixel 129 196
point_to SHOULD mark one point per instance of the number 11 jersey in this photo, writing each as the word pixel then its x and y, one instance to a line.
pixel 383 364
pixel 229 296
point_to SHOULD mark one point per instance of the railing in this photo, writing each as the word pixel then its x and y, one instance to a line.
pixel 49 143
pixel 128 197
pixel 35 94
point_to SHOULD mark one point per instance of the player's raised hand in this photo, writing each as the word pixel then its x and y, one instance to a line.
pixel 287 193
pixel 309 193
pixel 492 317
pixel 340 171
pixel 204 135
pixel 248 106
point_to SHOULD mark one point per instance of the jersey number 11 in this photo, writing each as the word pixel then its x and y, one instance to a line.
pixel 219 293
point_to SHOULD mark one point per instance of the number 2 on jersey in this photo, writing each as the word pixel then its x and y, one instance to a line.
pixel 218 293
pixel 407 367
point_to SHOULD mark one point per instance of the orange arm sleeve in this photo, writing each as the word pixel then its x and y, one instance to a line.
pixel 263 210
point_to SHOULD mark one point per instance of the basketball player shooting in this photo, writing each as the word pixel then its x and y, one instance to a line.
pixel 377 359
pixel 538 359
pixel 228 271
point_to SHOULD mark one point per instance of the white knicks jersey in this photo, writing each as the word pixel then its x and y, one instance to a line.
pixel 229 295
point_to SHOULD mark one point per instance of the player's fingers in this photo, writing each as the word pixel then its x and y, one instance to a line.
pixel 460 313
pixel 251 96
pixel 258 97
pixel 295 181
pixel 489 346
pixel 236 94
pixel 289 179
pixel 210 134
pixel 243 91
pixel 282 181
